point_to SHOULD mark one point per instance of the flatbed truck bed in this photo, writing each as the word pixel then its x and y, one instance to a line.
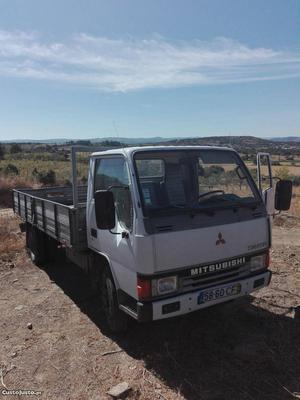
pixel 52 211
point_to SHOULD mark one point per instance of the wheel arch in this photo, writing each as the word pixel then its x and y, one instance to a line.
pixel 105 262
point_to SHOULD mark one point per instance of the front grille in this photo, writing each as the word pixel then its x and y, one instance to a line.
pixel 189 283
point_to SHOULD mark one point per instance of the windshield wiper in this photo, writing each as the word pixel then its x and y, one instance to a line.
pixel 176 206
pixel 227 203
pixel 208 209
pixel 249 203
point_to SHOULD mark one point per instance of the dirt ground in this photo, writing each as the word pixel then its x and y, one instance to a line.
pixel 248 349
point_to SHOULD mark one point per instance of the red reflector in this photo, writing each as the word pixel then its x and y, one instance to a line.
pixel 267 259
pixel 143 288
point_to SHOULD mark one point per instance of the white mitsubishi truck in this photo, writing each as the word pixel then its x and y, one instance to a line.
pixel 162 231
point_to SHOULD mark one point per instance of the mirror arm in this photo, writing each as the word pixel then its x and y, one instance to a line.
pixel 124 234
pixel 277 177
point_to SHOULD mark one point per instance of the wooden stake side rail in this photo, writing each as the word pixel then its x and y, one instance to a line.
pixel 51 210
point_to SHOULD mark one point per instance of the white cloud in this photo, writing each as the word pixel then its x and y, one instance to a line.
pixel 129 64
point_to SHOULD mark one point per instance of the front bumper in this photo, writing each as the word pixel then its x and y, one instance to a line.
pixel 188 302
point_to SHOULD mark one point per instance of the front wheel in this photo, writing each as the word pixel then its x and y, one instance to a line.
pixel 116 319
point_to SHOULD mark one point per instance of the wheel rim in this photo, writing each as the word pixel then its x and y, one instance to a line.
pixel 32 256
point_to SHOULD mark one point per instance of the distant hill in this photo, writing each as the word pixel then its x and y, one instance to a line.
pixel 210 140
pixel 230 141
pixel 243 144
pixel 130 141
pixel 286 139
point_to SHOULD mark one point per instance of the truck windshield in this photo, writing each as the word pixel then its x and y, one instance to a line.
pixel 192 179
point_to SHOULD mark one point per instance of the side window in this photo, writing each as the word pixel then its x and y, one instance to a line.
pixel 113 172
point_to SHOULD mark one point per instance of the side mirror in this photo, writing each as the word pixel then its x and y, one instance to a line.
pixel 283 195
pixel 105 209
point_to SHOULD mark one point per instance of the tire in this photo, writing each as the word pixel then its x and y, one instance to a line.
pixel 54 253
pixel 117 320
pixel 35 241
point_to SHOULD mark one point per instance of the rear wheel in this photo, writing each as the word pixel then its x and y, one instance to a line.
pixel 42 248
pixel 116 319
pixel 35 241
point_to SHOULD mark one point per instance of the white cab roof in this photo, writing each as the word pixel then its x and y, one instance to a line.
pixel 130 150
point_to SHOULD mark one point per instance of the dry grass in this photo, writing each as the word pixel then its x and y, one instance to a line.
pixel 6 186
pixel 291 169
pixel 295 205
pixel 11 239
pixel 62 169
pixel 291 218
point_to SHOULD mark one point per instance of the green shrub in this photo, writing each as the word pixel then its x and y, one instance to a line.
pixel 47 178
pixel 35 173
pixel 296 180
pixel 283 173
pixel 83 180
pixel 11 169
pixel 67 182
pixel 214 170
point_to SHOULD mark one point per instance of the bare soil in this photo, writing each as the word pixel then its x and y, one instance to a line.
pixel 247 349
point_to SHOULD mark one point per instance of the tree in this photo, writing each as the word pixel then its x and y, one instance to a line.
pixel 111 143
pixel 2 151
pixel 15 148
pixel 84 142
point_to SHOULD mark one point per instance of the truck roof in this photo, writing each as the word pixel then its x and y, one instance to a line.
pixel 129 150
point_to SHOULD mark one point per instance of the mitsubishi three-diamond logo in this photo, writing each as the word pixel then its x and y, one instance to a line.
pixel 220 239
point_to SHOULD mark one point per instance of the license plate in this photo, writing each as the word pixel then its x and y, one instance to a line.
pixel 221 292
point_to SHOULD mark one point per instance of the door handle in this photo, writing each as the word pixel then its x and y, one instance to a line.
pixel 94 232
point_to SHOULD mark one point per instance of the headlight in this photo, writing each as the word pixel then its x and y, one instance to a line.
pixel 259 262
pixel 164 285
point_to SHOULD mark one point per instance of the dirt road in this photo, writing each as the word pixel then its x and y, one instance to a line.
pixel 249 349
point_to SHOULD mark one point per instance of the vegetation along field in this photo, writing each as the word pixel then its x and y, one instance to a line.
pixel 37 164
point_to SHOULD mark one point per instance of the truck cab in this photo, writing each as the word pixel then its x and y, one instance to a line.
pixel 181 228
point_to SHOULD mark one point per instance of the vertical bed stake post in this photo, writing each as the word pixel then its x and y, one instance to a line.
pixel 74 177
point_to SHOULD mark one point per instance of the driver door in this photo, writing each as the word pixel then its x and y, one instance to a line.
pixel 109 171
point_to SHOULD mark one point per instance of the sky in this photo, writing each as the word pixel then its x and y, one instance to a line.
pixel 135 68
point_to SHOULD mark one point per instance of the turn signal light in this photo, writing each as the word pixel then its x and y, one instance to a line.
pixel 143 289
pixel 260 262
pixel 268 259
